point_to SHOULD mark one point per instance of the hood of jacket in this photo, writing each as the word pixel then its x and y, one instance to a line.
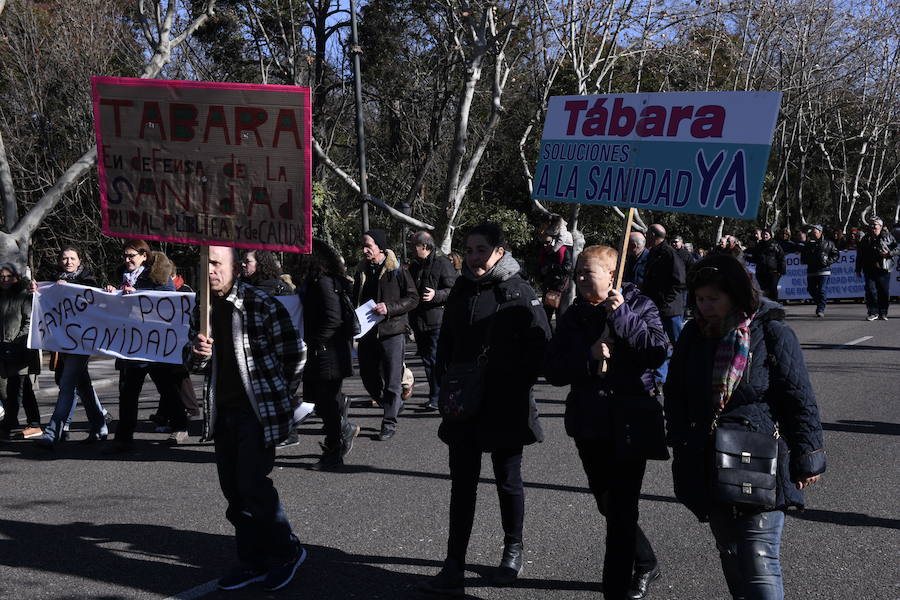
pixel 505 268
pixel 158 269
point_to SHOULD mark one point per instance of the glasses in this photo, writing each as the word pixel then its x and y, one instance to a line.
pixel 131 255
pixel 706 273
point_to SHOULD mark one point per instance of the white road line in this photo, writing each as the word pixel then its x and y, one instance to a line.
pixel 197 592
pixel 858 341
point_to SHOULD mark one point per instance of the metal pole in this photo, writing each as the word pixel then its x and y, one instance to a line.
pixel 355 50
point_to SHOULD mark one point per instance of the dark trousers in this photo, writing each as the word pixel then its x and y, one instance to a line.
pixel 768 283
pixel 616 485
pixel 131 382
pixel 749 548
pixel 815 285
pixel 381 367
pixel 261 528
pixel 16 391
pixel 878 295
pixel 329 401
pixel 465 470
pixel 426 347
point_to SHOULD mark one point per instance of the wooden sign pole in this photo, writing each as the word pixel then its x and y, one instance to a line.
pixel 617 281
pixel 203 292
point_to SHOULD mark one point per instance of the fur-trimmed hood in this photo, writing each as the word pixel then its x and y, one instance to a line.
pixel 390 264
pixel 158 270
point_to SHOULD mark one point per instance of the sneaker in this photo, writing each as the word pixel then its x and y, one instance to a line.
pixel 407 391
pixel 32 432
pixel 177 437
pixel 291 440
pixel 241 576
pixel 882 317
pixel 280 576
pixel 820 314
pixel 871 317
pixel 347 440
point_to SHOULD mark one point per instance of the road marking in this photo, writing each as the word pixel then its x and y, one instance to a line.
pixel 197 592
pixel 858 341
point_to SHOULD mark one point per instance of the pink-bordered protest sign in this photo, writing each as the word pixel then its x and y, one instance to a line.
pixel 205 163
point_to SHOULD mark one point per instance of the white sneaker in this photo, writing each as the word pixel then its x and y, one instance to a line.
pixel 882 317
pixel 871 317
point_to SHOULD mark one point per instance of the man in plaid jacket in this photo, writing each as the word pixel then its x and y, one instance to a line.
pixel 253 361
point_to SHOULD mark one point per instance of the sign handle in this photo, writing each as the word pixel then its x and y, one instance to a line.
pixel 203 292
pixel 617 282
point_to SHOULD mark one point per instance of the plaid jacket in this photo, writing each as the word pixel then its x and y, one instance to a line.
pixel 270 357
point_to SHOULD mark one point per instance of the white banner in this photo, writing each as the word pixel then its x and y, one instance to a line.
pixel 843 282
pixel 146 325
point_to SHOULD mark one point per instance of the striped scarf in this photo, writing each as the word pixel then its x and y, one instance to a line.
pixel 732 354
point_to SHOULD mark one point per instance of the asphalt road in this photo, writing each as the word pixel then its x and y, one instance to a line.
pixel 76 524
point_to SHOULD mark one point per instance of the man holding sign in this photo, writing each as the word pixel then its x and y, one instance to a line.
pixel 253 361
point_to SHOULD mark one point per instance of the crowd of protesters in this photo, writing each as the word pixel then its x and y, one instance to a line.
pixel 653 367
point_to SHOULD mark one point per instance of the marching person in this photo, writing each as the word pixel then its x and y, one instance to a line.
pixel 874 261
pixel 622 330
pixel 261 269
pixel 434 276
pixel 738 362
pixel 636 262
pixel 770 263
pixel 143 269
pixel 818 254
pixel 328 339
pixel 664 283
pixel 253 361
pixel 381 278
pixel 16 360
pixel 491 312
pixel 72 373
pixel 555 266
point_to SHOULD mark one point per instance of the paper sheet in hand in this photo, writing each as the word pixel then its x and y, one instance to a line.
pixel 367 318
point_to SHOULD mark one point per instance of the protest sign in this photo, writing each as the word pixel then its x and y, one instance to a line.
pixel 205 163
pixel 693 152
pixel 146 325
pixel 842 284
pixel 76 319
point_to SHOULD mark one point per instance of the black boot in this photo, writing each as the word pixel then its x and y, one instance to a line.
pixel 511 563
pixel 448 582
pixel 640 583
pixel 330 460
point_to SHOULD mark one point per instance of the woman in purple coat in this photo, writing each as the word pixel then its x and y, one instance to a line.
pixel 606 347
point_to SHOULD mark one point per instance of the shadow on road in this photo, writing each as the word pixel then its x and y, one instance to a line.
pixel 848 519
pixel 876 427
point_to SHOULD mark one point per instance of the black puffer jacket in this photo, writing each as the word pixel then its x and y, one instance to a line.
pixel 437 273
pixel 395 288
pixel 775 387
pixel 768 257
pixel 818 256
pixel 502 302
pixel 327 340
pixel 639 345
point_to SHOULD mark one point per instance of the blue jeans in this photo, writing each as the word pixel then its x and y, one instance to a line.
pixel 75 376
pixel 878 296
pixel 672 327
pixel 261 527
pixel 749 548
pixel 815 285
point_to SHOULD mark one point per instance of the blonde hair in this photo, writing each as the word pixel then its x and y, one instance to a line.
pixel 606 255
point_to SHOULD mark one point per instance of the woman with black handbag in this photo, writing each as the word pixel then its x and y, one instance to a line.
pixel 494 320
pixel 606 346
pixel 742 422
pixel 16 360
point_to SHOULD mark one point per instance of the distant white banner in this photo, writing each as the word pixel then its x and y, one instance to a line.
pixel 151 326
pixel 843 282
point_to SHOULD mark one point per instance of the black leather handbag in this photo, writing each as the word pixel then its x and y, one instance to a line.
pixel 744 466
pixel 462 385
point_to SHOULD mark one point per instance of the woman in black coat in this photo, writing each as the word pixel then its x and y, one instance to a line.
pixel 143 269
pixel 491 310
pixel 16 360
pixel 328 340
pixel 72 371
pixel 737 364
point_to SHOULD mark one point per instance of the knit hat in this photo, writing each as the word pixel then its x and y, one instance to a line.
pixel 379 237
pixel 819 227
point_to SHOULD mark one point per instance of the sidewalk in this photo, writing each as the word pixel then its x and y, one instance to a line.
pixel 103 374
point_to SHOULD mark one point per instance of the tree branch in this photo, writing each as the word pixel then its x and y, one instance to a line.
pixel 7 189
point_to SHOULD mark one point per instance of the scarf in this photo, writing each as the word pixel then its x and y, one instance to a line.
pixel 505 268
pixel 70 276
pixel 732 354
pixel 129 278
